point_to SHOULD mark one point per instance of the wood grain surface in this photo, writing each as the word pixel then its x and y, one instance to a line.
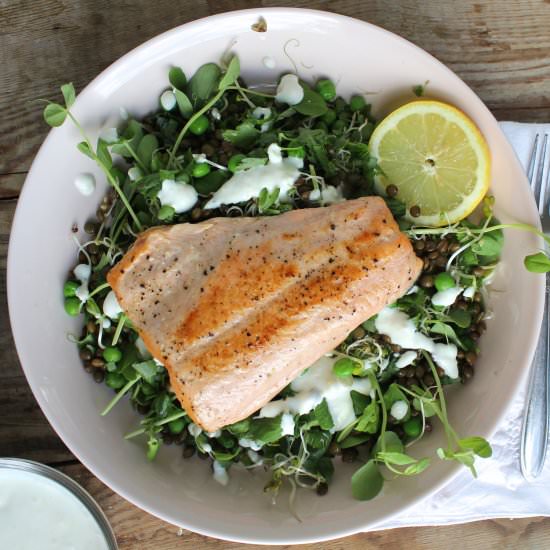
pixel 500 48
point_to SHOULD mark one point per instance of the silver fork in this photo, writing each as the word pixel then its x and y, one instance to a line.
pixel 536 420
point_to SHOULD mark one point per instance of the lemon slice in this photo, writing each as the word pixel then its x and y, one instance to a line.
pixel 436 158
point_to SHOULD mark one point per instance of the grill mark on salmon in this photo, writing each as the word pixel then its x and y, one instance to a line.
pixel 236 308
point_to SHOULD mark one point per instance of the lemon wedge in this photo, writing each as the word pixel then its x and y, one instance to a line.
pixel 437 159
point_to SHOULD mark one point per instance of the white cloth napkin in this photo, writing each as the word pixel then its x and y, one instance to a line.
pixel 499 490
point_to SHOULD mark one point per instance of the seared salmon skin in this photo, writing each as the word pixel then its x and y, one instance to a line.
pixel 236 308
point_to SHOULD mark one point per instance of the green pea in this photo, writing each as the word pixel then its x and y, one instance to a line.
pixel 112 355
pixel 413 426
pixel 344 367
pixel 200 169
pixel 115 380
pixel 234 162
pixel 176 426
pixel 357 103
pixel 69 288
pixel 338 126
pixel 329 117
pixel 326 89
pixel 72 306
pixel 199 125
pixel 443 281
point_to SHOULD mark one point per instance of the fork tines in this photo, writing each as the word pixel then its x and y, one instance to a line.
pixel 536 170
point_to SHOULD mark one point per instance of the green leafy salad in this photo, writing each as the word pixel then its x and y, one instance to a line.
pixel 380 390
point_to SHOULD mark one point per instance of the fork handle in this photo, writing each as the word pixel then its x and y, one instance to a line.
pixel 536 421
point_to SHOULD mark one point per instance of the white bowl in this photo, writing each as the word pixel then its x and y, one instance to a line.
pixel 360 58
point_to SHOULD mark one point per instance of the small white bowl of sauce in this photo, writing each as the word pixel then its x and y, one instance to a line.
pixel 43 508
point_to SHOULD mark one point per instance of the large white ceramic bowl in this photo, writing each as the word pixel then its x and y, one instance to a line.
pixel 360 58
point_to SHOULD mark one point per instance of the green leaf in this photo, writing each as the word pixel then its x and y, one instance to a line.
pixel 210 183
pixel 445 330
pixel 103 153
pixel 419 467
pixel 243 136
pixel 132 135
pixel 323 416
pixel 84 148
pixel 250 162
pixel 537 263
pixel 177 78
pixel 184 105
pixel 489 245
pixel 460 317
pixel 360 401
pixel 478 445
pixel 239 428
pixel 398 208
pixel 203 84
pixel 166 212
pixel 265 430
pixel 354 440
pixel 392 444
pixel 367 482
pixel 147 369
pixel 312 103
pixel 69 95
pixel 344 367
pixel 468 258
pixel 399 459
pixel 147 146
pixel 370 419
pixel 231 75
pixel 426 403
pixel 317 439
pixel 55 114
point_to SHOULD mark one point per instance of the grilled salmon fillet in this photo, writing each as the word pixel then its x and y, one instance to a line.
pixel 236 308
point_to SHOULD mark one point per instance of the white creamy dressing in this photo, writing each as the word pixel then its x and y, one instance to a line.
pixel 250 444
pixel 216 115
pixel 123 113
pixel 399 410
pixel 469 292
pixel 446 297
pixel 179 195
pixel 220 473
pixel 263 113
pixel 255 457
pixel 82 272
pixel 412 290
pixel 135 173
pixel 206 448
pixel 110 135
pixel 247 184
pixel 194 430
pixel 168 100
pixel 38 513
pixel 287 424
pixel 405 359
pixel 85 184
pixel 111 307
pixel 401 330
pixel 328 195
pixel 268 62
pixel 319 382
pixel 289 90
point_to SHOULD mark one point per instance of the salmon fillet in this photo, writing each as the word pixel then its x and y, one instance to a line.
pixel 236 308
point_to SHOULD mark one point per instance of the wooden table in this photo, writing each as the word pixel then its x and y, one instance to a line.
pixel 500 48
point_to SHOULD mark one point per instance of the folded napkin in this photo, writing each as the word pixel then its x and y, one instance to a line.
pixel 499 490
